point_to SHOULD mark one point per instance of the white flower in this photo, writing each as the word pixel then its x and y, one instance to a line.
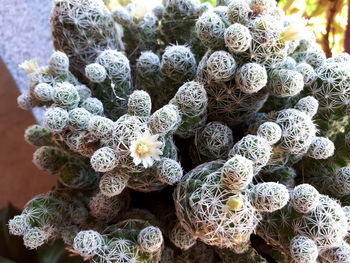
pixel 296 31
pixel 145 149
pixel 142 7
pixel 31 65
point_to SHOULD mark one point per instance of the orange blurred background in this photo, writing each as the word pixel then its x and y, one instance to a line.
pixel 20 180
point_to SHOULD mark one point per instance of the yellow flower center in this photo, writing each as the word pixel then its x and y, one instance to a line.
pixel 234 203
pixel 143 149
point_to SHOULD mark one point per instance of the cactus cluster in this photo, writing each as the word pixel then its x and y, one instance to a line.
pixel 309 227
pixel 192 133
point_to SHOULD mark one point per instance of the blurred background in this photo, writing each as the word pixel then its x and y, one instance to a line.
pixel 26 34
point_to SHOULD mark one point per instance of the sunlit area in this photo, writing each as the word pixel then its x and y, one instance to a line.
pixel 328 19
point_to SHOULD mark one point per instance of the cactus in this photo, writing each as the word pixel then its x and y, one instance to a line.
pixel 45 216
pixel 82 29
pixel 170 23
pixel 111 81
pixel 301 229
pixel 212 142
pixel 132 240
pixel 238 204
pixel 250 256
pixel 182 134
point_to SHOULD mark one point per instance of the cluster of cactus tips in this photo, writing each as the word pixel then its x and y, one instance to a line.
pixel 192 133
